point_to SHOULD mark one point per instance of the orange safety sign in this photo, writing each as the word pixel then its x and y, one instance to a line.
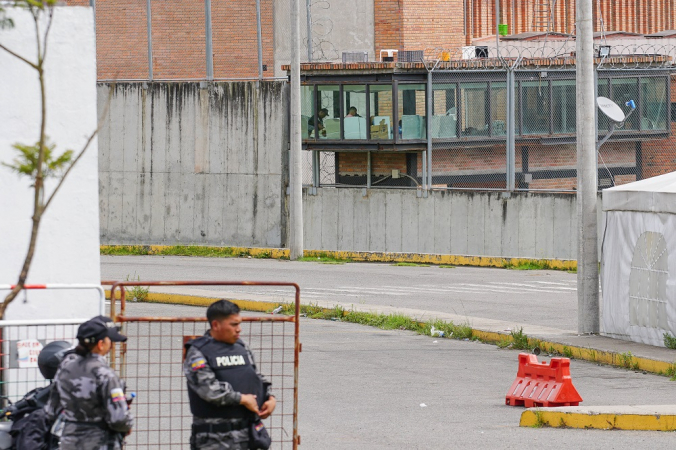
pixel 542 384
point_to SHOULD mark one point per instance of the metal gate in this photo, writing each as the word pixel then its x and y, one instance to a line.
pixel 151 364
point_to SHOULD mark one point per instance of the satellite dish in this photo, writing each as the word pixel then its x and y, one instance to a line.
pixel 610 109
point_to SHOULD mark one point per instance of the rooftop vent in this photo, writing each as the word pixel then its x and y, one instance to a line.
pixel 353 57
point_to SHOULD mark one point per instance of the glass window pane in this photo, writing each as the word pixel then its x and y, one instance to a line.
pixel 564 109
pixel 411 99
pixel 625 89
pixel 445 108
pixel 535 104
pixel 474 117
pixel 354 108
pixel 655 104
pixel 381 111
pixel 603 91
pixel 328 112
pixel 306 109
pixel 499 108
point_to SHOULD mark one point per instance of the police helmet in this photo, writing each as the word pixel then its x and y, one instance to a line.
pixel 51 356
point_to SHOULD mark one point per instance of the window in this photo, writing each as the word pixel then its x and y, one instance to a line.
pixel 354 112
pixel 445 111
pixel 474 118
pixel 654 104
pixel 412 112
pixel 535 103
pixel 307 111
pixel 603 91
pixel 498 108
pixel 563 92
pixel 328 113
pixel 623 90
pixel 381 111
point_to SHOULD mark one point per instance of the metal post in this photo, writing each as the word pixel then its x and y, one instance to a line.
pixel 259 34
pixel 308 10
pixel 497 28
pixel 149 26
pixel 429 129
pixel 587 258
pixel 92 3
pixel 295 165
pixel 208 38
pixel 368 170
pixel 511 124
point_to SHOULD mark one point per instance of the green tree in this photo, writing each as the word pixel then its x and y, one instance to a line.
pixel 39 161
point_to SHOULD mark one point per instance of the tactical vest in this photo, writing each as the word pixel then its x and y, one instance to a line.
pixel 230 363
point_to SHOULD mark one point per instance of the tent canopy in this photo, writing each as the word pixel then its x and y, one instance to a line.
pixel 656 195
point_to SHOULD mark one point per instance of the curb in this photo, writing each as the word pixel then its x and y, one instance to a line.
pixel 282 253
pixel 491 337
pixel 597 418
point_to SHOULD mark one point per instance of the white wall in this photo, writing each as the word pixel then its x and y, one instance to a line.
pixel 68 242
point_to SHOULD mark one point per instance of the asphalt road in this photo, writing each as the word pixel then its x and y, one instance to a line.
pixel 546 298
pixel 365 388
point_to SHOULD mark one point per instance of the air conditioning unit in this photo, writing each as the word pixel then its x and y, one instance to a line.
pixel 474 51
pixel 355 57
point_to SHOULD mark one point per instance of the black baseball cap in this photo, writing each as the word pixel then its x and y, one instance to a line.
pixel 98 328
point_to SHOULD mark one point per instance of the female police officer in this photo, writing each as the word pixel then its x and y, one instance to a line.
pixel 88 399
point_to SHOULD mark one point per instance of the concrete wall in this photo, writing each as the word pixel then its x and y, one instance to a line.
pixel 456 223
pixel 337 26
pixel 184 164
pixel 68 242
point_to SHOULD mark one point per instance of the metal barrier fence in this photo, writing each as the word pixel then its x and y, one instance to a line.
pixel 151 364
pixel 20 345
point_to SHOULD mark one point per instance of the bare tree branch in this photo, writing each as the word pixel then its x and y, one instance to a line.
pixel 49 26
pixel 81 152
pixel 16 55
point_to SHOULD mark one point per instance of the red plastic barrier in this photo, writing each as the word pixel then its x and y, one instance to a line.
pixel 542 384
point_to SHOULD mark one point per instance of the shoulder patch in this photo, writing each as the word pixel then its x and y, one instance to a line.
pixel 117 395
pixel 197 364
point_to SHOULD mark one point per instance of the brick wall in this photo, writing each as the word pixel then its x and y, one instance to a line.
pixel 121 39
pixel 235 40
pixel 388 24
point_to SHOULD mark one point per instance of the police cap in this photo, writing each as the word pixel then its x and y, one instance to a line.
pixel 98 328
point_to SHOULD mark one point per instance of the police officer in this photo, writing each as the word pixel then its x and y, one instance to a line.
pixel 226 391
pixel 88 398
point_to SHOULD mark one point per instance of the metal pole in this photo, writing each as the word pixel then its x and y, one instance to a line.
pixel 511 125
pixel 429 113
pixel 368 170
pixel 92 3
pixel 587 257
pixel 308 10
pixel 149 26
pixel 259 34
pixel 295 165
pixel 208 38
pixel 497 28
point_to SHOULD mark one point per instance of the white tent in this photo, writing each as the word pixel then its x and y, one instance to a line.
pixel 638 272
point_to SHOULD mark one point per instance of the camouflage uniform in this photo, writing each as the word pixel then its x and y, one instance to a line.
pixel 90 398
pixel 202 380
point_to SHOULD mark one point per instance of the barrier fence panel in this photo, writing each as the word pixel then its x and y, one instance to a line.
pixel 151 363
pixel 21 342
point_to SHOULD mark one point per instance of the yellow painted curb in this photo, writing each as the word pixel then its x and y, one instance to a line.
pixel 588 354
pixel 646 422
pixel 282 253
pixel 192 300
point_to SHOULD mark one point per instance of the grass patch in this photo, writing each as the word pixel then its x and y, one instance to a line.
pixel 535 264
pixel 384 321
pixel 626 360
pixel 324 258
pixel 446 266
pixel 539 420
pixel 671 372
pixel 519 339
pixel 137 293
pixel 122 250
pixel 410 264
pixel 669 341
